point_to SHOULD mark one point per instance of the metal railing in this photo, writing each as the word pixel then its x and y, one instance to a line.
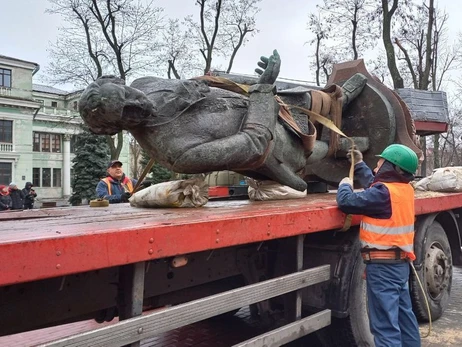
pixel 6 147
pixel 5 91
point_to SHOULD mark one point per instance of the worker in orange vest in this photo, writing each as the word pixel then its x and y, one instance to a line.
pixel 387 240
pixel 116 187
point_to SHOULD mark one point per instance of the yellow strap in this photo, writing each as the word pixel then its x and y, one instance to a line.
pixel 224 83
pixel 329 124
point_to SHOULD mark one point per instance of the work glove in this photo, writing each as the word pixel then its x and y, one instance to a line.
pixel 124 197
pixel 357 155
pixel 346 180
pixel 145 184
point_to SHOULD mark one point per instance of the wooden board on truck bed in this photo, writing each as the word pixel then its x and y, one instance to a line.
pixel 38 244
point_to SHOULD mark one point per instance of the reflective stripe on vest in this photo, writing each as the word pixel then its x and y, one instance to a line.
pixel 127 182
pixel 398 230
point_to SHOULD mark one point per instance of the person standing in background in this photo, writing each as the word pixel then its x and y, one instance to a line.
pixel 17 197
pixel 5 198
pixel 29 196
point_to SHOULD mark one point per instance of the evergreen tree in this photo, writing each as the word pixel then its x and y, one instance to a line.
pixel 91 158
pixel 158 173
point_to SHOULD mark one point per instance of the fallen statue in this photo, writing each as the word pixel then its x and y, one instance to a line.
pixel 191 127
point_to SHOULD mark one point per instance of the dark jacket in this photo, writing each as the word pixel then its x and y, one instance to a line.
pixel 375 200
pixel 17 198
pixel 29 194
pixel 116 190
pixel 5 201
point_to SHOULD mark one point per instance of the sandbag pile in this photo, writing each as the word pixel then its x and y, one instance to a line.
pixel 182 193
pixel 270 190
pixel 445 179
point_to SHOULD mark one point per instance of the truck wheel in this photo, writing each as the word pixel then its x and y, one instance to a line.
pixel 435 275
pixel 353 330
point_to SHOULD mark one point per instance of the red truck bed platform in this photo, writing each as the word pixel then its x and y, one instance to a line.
pixel 44 243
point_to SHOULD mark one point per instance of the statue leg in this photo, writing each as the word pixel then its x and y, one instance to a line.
pixel 243 149
pixel 250 149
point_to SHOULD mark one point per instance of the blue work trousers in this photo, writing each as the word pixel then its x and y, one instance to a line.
pixel 392 321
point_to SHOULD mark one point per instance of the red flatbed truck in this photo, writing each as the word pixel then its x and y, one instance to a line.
pixel 62 265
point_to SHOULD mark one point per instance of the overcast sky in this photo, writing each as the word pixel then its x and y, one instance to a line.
pixel 27 31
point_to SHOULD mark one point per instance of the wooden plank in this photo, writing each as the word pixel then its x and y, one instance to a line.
pixel 155 323
pixel 290 332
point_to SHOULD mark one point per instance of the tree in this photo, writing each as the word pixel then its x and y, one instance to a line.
pixel 422 48
pixel 176 51
pixel 353 26
pixel 223 28
pixel 89 165
pixel 158 173
pixel 348 28
pixel 323 60
pixel 115 37
pixel 136 153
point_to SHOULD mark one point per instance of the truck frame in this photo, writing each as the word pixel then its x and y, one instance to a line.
pixel 288 260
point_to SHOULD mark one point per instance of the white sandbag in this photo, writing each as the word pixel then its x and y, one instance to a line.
pixel 422 184
pixel 270 190
pixel 446 179
pixel 182 193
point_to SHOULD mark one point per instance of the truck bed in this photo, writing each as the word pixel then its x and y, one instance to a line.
pixel 43 243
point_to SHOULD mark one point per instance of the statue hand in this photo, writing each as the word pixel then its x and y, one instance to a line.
pixel 271 68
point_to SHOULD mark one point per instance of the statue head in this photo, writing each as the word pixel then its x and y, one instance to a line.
pixel 108 106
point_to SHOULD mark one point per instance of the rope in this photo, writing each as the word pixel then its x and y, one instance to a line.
pixel 426 302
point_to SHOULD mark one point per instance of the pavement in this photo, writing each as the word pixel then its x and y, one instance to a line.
pixel 446 331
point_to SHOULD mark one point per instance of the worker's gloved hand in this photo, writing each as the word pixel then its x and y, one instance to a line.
pixel 346 180
pixel 145 184
pixel 125 196
pixel 357 156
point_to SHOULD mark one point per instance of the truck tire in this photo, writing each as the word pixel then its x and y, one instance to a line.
pixel 435 275
pixel 353 330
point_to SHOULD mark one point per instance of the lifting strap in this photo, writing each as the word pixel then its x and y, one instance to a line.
pixel 320 102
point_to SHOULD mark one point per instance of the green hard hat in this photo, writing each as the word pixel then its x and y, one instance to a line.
pixel 402 156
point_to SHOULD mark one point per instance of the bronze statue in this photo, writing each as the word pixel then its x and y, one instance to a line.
pixel 191 127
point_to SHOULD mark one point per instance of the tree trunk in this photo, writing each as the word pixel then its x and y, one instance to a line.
pixel 390 50
pixel 423 166
pixel 436 151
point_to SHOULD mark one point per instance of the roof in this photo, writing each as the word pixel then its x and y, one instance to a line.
pixel 18 60
pixel 50 90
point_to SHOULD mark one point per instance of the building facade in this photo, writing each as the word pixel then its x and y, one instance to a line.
pixel 38 125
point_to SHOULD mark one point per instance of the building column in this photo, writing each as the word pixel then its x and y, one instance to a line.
pixel 67 166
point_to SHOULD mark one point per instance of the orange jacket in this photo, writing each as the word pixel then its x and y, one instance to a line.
pixel 126 183
pixel 398 230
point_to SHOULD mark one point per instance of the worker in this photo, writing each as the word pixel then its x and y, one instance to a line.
pixel 116 187
pixel 387 240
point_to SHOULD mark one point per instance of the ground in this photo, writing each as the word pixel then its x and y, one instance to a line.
pixel 445 331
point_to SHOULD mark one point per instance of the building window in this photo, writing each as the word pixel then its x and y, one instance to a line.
pixel 5 173
pixel 72 143
pixel 36 142
pixel 36 177
pixel 75 105
pixel 56 177
pixel 56 143
pixel 5 78
pixel 43 142
pixel 6 131
pixel 46 177
pixel 54 104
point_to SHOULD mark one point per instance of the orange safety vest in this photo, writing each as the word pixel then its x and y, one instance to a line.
pixel 398 230
pixel 127 183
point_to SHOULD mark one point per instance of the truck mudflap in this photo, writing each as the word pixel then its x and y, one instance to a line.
pixel 133 330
